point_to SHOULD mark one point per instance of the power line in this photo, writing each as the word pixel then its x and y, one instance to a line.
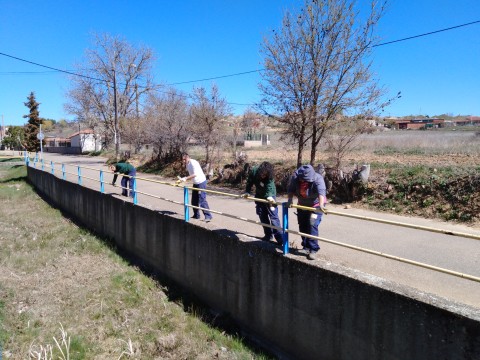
pixel 372 46
pixel 216 77
pixel 243 72
pixel 426 34
pixel 52 68
pixel 27 72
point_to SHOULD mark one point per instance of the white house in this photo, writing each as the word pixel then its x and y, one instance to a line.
pixel 86 140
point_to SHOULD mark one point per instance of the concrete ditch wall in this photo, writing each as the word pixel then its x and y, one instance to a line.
pixel 301 311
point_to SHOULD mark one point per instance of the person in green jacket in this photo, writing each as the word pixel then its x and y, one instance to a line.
pixel 128 171
pixel 262 178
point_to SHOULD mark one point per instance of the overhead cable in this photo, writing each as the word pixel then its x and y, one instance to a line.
pixel 244 72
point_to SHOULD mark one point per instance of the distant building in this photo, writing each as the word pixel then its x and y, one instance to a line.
pixel 416 124
pixel 77 143
pixel 51 141
pixel 86 140
pixel 255 140
pixel 468 121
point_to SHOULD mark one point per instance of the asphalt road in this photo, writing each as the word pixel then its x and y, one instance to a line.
pixel 454 253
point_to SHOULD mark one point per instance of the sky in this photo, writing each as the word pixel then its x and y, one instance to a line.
pixel 200 39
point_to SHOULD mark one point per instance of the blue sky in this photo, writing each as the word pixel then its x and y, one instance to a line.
pixel 198 39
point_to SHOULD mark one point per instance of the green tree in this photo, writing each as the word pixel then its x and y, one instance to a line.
pixel 14 138
pixel 33 126
pixel 48 124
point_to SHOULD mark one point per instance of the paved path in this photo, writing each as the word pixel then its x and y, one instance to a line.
pixel 444 251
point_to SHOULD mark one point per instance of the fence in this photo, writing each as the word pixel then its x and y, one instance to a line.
pixel 284 229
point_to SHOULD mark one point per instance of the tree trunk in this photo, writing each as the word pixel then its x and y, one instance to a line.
pixel 300 153
pixel 313 150
pixel 207 156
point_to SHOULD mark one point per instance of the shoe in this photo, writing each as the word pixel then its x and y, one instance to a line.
pixel 303 251
pixel 266 238
pixel 312 256
pixel 207 220
pixel 196 217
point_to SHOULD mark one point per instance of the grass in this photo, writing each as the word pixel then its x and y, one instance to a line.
pixel 10 159
pixel 64 293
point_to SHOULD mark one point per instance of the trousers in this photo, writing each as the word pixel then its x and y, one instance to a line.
pixel 199 198
pixel 308 223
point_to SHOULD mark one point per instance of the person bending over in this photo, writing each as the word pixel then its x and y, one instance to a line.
pixel 309 187
pixel 128 171
pixel 262 178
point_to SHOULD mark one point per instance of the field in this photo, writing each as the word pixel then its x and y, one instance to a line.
pixel 65 294
pixel 440 147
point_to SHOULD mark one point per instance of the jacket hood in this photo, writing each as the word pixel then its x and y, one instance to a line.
pixel 306 173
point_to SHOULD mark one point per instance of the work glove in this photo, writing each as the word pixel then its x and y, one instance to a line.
pixel 271 200
pixel 245 195
pixel 321 209
pixel 180 180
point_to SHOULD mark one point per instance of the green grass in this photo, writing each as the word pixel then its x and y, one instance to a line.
pixel 10 159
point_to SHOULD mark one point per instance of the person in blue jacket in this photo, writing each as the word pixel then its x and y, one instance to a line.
pixel 309 188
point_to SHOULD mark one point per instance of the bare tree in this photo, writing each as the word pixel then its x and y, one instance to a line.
pixel 135 131
pixel 207 111
pixel 345 137
pixel 169 124
pixel 251 121
pixel 316 68
pixel 115 76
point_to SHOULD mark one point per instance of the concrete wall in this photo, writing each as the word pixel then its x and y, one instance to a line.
pixel 299 310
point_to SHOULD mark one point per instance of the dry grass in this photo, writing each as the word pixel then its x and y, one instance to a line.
pixel 397 147
pixel 65 294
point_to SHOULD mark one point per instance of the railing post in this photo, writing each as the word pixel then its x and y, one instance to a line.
pixel 285 227
pixel 64 177
pixel 102 184
pixel 79 175
pixel 185 204
pixel 43 165
pixel 51 166
pixel 135 199
pixel 36 157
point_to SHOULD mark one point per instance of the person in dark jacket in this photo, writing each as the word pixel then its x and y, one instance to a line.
pixel 128 171
pixel 262 178
pixel 309 187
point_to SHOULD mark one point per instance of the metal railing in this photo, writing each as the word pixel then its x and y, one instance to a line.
pixel 284 228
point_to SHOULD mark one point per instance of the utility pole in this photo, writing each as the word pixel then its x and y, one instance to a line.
pixel 117 134
pixel 2 132
pixel 136 99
